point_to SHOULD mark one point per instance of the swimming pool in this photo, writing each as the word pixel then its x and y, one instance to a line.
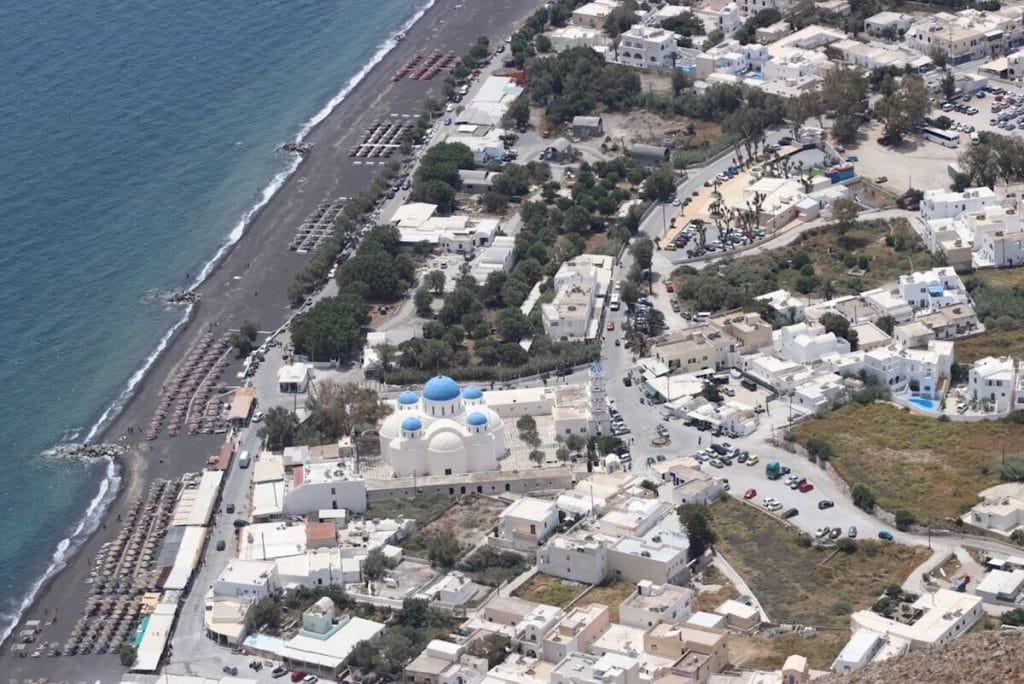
pixel 926 404
pixel 756 76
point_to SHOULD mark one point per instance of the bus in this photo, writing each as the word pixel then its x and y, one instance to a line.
pixel 945 138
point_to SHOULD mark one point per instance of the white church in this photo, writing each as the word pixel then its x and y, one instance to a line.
pixel 442 431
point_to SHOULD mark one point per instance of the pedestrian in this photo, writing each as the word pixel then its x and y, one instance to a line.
pixel 700 440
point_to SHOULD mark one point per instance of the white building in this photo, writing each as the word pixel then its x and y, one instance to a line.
pixel 939 204
pixel 443 431
pixel 931 290
pixel 945 615
pixel 568 37
pixel 652 604
pixel 576 631
pixel 899 370
pixel 581 291
pixel 316 486
pixel 527 522
pixel 794 63
pixel 805 343
pixel 1001 586
pixel 251 580
pixel 863 647
pixel 499 256
pixel 994 381
pixel 580 556
pixel 583 668
pixel 749 8
pixel 456 234
pixel 887 22
pixel 1001 509
pixel 731 58
pixel 646 47
pixel 593 14
pixel 722 15
pixel 787 306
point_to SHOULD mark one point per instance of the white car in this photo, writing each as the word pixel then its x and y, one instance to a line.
pixel 257 417
pixel 768 501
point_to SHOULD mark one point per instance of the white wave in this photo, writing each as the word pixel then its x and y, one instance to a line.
pixel 68 546
pixel 136 378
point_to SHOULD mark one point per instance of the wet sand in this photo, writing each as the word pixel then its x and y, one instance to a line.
pixel 251 283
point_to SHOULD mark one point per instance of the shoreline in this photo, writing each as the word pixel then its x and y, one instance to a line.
pixel 264 227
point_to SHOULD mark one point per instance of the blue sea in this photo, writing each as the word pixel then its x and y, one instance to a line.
pixel 136 137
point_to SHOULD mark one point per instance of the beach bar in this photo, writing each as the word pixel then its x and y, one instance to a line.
pixel 242 406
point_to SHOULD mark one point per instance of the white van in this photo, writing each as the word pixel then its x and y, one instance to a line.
pixel 244 459
pixel 702 316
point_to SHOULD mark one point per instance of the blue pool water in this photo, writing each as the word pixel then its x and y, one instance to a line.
pixel 926 404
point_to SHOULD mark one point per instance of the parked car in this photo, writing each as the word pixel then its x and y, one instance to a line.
pixel 885 535
pixel 298 675
pixel 752 459
pixel 825 503
pixel 278 672
pixel 230 508
pixel 852 532
pixel 230 669
pixel 835 533
pixel 221 545
pixel 767 501
pixel 790 513
pixel 750 493
pixel 805 487
pixel 239 523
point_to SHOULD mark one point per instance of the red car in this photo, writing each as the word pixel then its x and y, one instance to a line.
pixel 806 487
pixel 611 325
pixel 669 287
pixel 750 493
pixel 298 675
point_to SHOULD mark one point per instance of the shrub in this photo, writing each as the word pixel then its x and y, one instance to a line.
pixel 863 498
pixel 846 545
pixel 904 520
pixel 1012 469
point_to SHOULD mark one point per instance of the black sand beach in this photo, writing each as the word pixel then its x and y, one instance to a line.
pixel 250 283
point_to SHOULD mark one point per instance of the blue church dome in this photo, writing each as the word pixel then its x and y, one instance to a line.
pixel 412 424
pixel 407 398
pixel 476 419
pixel 472 392
pixel 441 388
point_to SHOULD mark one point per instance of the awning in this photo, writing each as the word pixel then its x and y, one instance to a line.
pixel 997 66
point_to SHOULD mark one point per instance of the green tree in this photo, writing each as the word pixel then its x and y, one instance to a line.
pixel 1017 536
pixel 265 615
pixel 518 113
pixel 337 409
pixel 332 329
pixel 904 108
pixel 711 393
pixel 376 564
pixel 844 211
pixel 279 429
pixel 538 457
pixel 127 654
pixel 1013 618
pixel 846 545
pixel 435 281
pixel 494 647
pixel 862 497
pixel 244 339
pixel 1012 469
pixel 443 549
pixel 696 520
pixel 512 325
pixel 629 293
pixel 904 520
pixel 424 302
pixel 660 186
pixel 886 324
pixel 819 449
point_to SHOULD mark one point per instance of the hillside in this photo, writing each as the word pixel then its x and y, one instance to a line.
pixel 984 657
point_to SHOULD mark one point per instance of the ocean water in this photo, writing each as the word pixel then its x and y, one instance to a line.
pixel 136 135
